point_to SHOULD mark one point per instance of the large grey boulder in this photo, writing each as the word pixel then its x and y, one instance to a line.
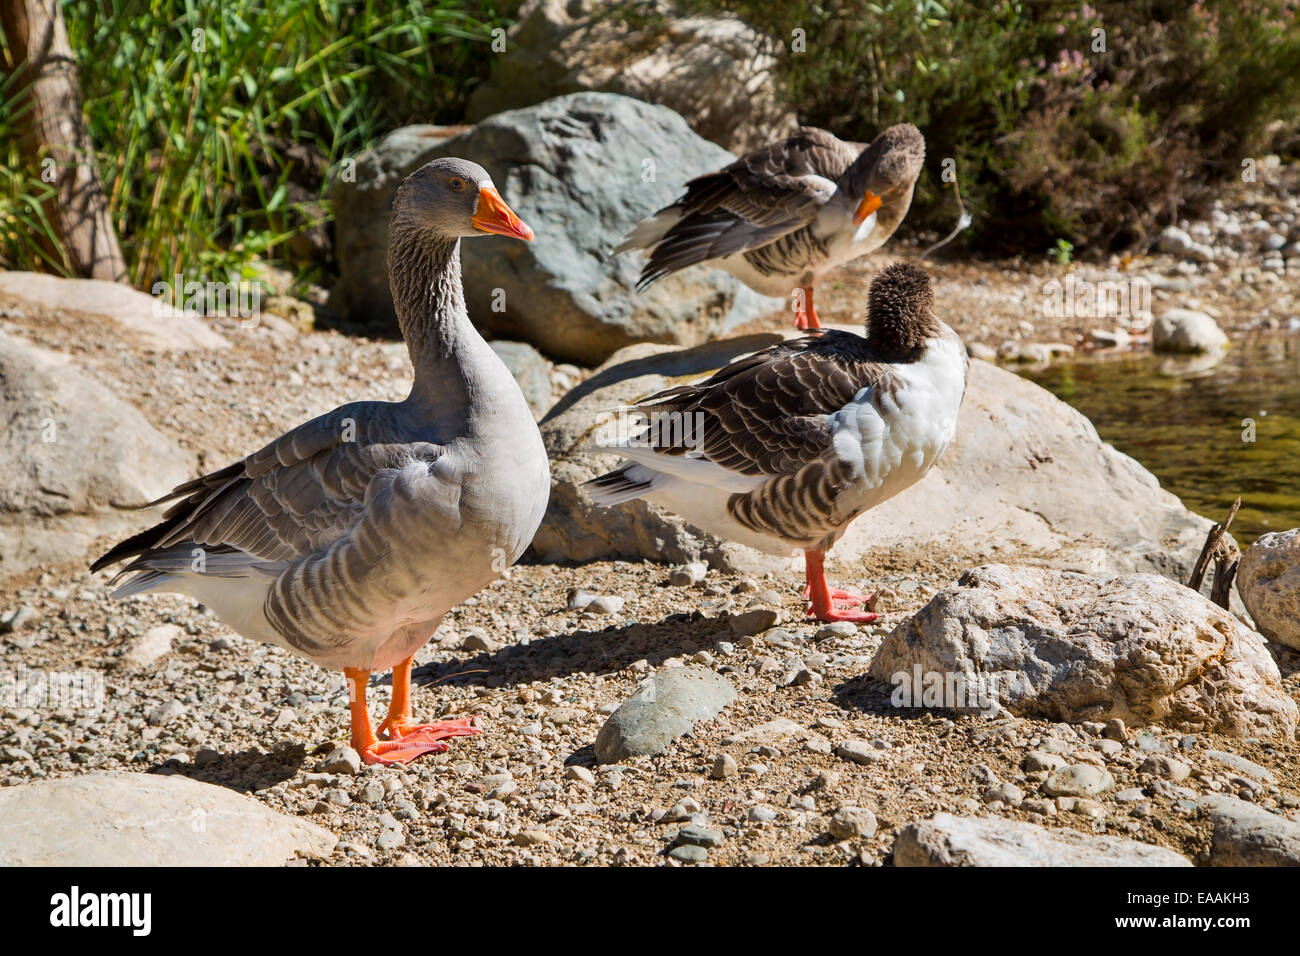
pixel 74 462
pixel 1268 580
pixel 1026 473
pixel 947 840
pixel 363 200
pixel 716 71
pixel 1064 646
pixel 580 170
pixel 135 819
pixel 151 322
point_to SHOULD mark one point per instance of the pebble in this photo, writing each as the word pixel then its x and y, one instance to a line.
pixel 754 621
pixel 838 630
pixel 1130 795
pixel 342 759
pixel 371 792
pixel 762 814
pixel 1078 780
pixel 1038 760
pixel 165 713
pixel 581 774
pixel 858 751
pixel 724 766
pixel 849 823
pixel 1242 765
pixel 688 574
pixel 689 854
pixel 17 619
pixel 1115 730
pixel 696 835
pixel 152 644
pixel 606 604
pixel 1007 793
pixel 478 641
pixel 1166 768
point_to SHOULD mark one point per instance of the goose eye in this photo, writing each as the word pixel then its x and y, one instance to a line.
pixel 456 183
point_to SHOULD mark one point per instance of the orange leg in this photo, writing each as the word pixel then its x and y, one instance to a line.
pixel 806 318
pixel 823 598
pixel 407 739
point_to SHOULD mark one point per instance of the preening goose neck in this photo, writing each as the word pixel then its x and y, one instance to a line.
pixel 900 312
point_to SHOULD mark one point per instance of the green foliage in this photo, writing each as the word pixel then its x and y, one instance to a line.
pixel 1062 252
pixel 218 125
pixel 1051 136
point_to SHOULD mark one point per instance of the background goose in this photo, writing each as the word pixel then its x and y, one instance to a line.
pixel 781 450
pixel 346 539
pixel 781 217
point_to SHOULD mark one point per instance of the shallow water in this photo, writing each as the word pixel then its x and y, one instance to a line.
pixel 1189 421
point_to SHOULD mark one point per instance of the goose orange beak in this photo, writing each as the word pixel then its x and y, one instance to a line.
pixel 870 203
pixel 493 215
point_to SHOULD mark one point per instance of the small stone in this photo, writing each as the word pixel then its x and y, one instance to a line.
pixel 1007 793
pixel 477 640
pixel 840 630
pixel 762 814
pixel 1078 780
pixel 1045 808
pixel 165 713
pixel 152 644
pixel 858 751
pixel 688 575
pixel 724 766
pixel 530 838
pixel 754 621
pixel 371 792
pixel 1242 765
pixel 581 774
pixel 17 619
pixel 606 604
pixel 682 810
pixel 689 854
pixel 1131 795
pixel 1039 760
pixel 390 839
pixel 342 759
pixel 695 835
pixel 851 823
pixel 1166 768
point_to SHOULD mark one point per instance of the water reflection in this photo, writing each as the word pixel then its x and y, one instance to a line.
pixel 1209 427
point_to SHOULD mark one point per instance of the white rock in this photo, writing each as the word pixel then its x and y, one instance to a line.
pixel 152 644
pixel 1186 330
pixel 946 840
pixel 1065 646
pixel 1268 580
pixel 136 819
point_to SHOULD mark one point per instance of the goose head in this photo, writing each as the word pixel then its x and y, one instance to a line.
pixel 454 198
pixel 887 170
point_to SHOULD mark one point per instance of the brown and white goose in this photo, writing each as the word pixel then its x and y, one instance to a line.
pixel 347 539
pixel 783 449
pixel 781 217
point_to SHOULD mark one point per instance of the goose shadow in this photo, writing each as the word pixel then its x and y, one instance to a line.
pixel 598 652
pixel 245 771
